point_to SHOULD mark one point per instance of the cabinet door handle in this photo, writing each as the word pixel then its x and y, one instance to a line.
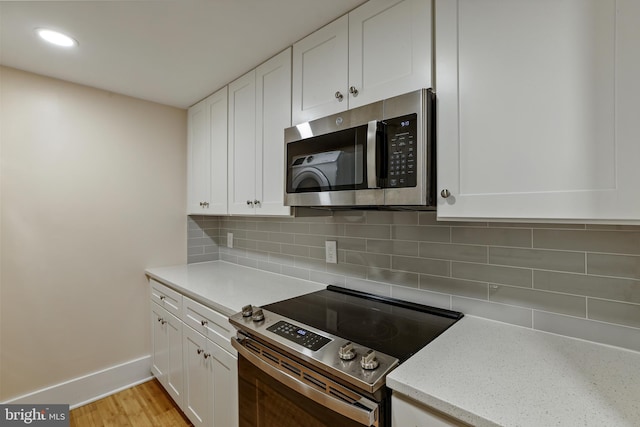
pixel 353 91
pixel 445 193
pixel 204 322
pixel 339 96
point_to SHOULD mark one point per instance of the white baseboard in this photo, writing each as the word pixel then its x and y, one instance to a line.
pixel 88 388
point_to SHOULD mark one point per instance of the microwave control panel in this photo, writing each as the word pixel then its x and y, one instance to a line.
pixel 401 136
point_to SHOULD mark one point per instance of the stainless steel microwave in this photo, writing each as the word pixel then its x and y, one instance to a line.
pixel 378 155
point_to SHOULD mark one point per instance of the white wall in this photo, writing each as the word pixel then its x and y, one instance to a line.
pixel 92 192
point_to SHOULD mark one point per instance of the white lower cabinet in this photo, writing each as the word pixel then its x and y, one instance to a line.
pixel 211 391
pixel 193 359
pixel 167 351
pixel 406 412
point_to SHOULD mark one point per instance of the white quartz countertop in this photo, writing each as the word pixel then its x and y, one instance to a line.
pixel 227 287
pixel 489 373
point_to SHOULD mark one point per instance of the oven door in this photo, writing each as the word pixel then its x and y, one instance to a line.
pixel 276 391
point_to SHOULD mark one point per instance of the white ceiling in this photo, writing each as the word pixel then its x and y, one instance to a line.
pixel 174 52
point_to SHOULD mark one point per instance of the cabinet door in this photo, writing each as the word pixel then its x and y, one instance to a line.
pixel 536 109
pixel 273 115
pixel 406 412
pixel 166 355
pixel 217 111
pixel 224 368
pixel 389 49
pixel 320 71
pixel 242 144
pixel 199 158
pixel 207 154
pixel 197 398
pixel 159 344
pixel 174 378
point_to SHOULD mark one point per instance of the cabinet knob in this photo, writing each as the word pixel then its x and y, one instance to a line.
pixel 205 204
pixel 162 297
pixel 204 322
pixel 162 322
pixel 199 351
pixel 159 319
pixel 353 91
pixel 256 202
pixel 249 203
pixel 206 355
pixel 339 96
pixel 445 193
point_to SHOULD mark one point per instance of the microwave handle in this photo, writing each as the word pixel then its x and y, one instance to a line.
pixel 376 154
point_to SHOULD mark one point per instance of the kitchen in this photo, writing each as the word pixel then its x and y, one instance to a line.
pixel 74 251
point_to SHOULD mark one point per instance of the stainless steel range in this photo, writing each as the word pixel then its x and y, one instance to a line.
pixel 321 359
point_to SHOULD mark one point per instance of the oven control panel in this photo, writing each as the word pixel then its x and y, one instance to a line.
pixel 299 335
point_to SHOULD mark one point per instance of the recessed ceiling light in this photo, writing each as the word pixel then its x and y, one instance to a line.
pixel 55 37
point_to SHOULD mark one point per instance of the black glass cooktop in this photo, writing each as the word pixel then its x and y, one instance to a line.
pixel 394 327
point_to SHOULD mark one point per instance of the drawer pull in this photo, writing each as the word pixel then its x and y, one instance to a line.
pixel 204 322
pixel 162 297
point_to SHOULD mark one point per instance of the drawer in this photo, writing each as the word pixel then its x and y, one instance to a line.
pixel 167 298
pixel 209 323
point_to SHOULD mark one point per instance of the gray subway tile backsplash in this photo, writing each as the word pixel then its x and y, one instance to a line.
pixel 592 330
pixel 614 312
pixel 612 242
pixel 539 300
pixel 571 279
pixel 497 274
pixel 491 310
pixel 537 258
pixel 492 236
pixel 614 265
pixel 612 288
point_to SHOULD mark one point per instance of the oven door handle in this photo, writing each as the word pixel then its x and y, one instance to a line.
pixel 362 411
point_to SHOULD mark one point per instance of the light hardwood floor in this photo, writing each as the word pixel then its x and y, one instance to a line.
pixel 147 404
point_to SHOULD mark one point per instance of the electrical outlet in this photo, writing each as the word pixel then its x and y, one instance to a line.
pixel 229 240
pixel 331 251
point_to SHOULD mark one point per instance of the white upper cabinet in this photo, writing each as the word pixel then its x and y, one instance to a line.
pixel 242 142
pixel 320 72
pixel 379 50
pixel 259 111
pixel 207 156
pixel 537 115
pixel 389 49
pixel 273 115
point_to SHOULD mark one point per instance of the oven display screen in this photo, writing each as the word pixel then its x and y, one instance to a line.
pixel 298 335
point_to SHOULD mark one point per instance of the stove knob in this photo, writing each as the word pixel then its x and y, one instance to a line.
pixel 346 351
pixel 247 311
pixel 258 316
pixel 369 361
